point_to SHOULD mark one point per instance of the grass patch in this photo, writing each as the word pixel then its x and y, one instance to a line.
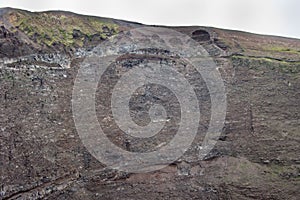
pixel 282 49
pixel 258 63
pixel 57 28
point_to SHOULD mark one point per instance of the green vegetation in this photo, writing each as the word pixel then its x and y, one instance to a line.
pixel 282 49
pixel 273 64
pixel 57 28
pixel 288 172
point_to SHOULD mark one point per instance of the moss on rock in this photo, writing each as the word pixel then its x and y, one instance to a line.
pixel 51 28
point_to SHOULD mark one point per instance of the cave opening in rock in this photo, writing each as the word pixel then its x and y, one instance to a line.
pixel 201 36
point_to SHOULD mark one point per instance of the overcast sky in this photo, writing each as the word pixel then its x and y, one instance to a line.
pixel 273 17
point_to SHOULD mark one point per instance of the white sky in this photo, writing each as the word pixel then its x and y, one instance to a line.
pixel 273 17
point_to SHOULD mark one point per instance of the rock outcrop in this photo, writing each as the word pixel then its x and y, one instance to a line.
pixel 42 156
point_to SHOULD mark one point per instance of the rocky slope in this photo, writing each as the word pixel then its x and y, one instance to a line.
pixel 42 156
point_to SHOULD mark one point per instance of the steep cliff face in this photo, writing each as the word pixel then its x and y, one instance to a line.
pixel 42 156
